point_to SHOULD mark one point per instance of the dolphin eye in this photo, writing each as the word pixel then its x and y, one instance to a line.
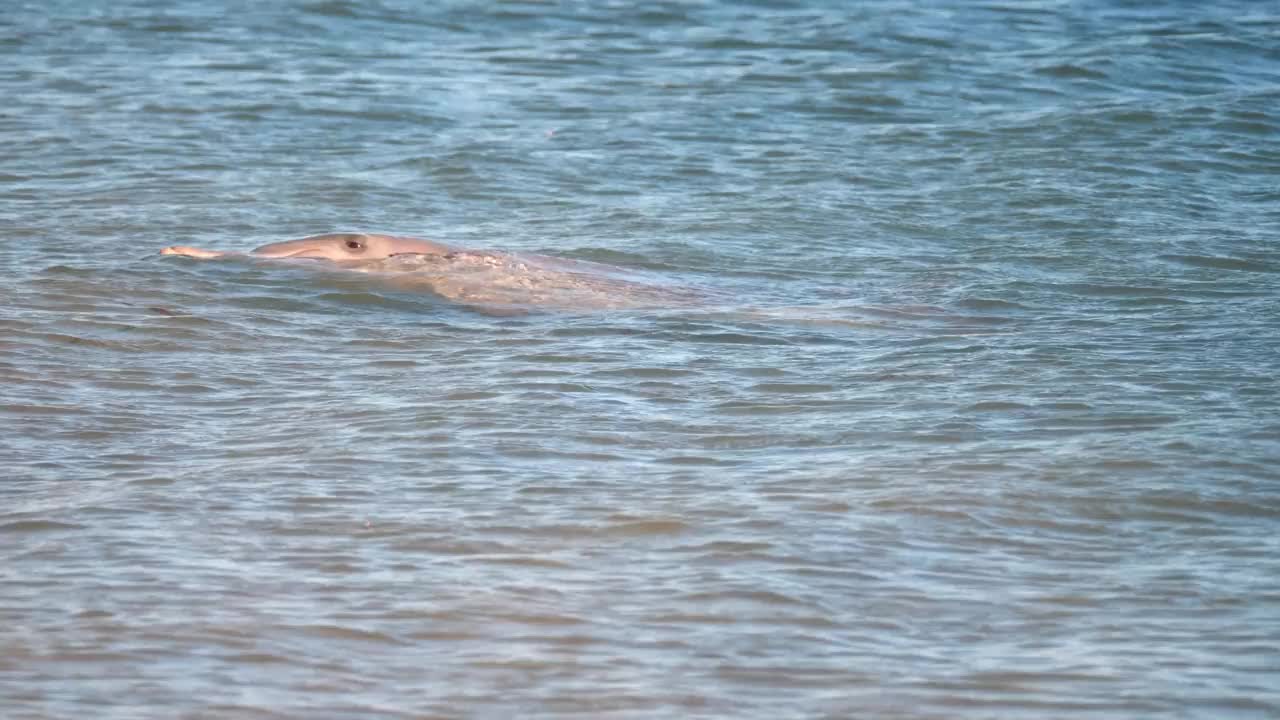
pixel 355 245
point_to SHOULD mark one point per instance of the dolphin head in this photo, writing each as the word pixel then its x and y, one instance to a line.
pixel 351 246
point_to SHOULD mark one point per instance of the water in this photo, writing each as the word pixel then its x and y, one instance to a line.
pixel 974 413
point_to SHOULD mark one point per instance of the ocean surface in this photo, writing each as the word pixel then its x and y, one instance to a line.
pixel 942 382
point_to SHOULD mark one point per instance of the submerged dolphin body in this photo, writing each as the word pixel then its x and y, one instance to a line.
pixel 479 277
pixel 502 283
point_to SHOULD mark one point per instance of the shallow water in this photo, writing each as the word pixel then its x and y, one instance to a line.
pixel 974 413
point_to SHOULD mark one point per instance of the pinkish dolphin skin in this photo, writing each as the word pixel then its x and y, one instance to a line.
pixel 474 277
pixel 331 246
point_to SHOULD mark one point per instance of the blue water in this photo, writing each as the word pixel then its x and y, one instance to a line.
pixel 951 389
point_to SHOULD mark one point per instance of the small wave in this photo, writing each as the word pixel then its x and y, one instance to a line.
pixel 1223 263
pixel 38 526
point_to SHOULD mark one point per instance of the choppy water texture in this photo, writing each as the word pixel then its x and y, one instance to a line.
pixel 972 411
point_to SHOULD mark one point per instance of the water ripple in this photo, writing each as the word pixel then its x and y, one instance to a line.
pixel 934 375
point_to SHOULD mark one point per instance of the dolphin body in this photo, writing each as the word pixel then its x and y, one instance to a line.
pixel 331 246
pixel 480 278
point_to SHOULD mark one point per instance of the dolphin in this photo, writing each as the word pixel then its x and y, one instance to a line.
pixel 476 277
pixel 337 247
pixel 504 283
